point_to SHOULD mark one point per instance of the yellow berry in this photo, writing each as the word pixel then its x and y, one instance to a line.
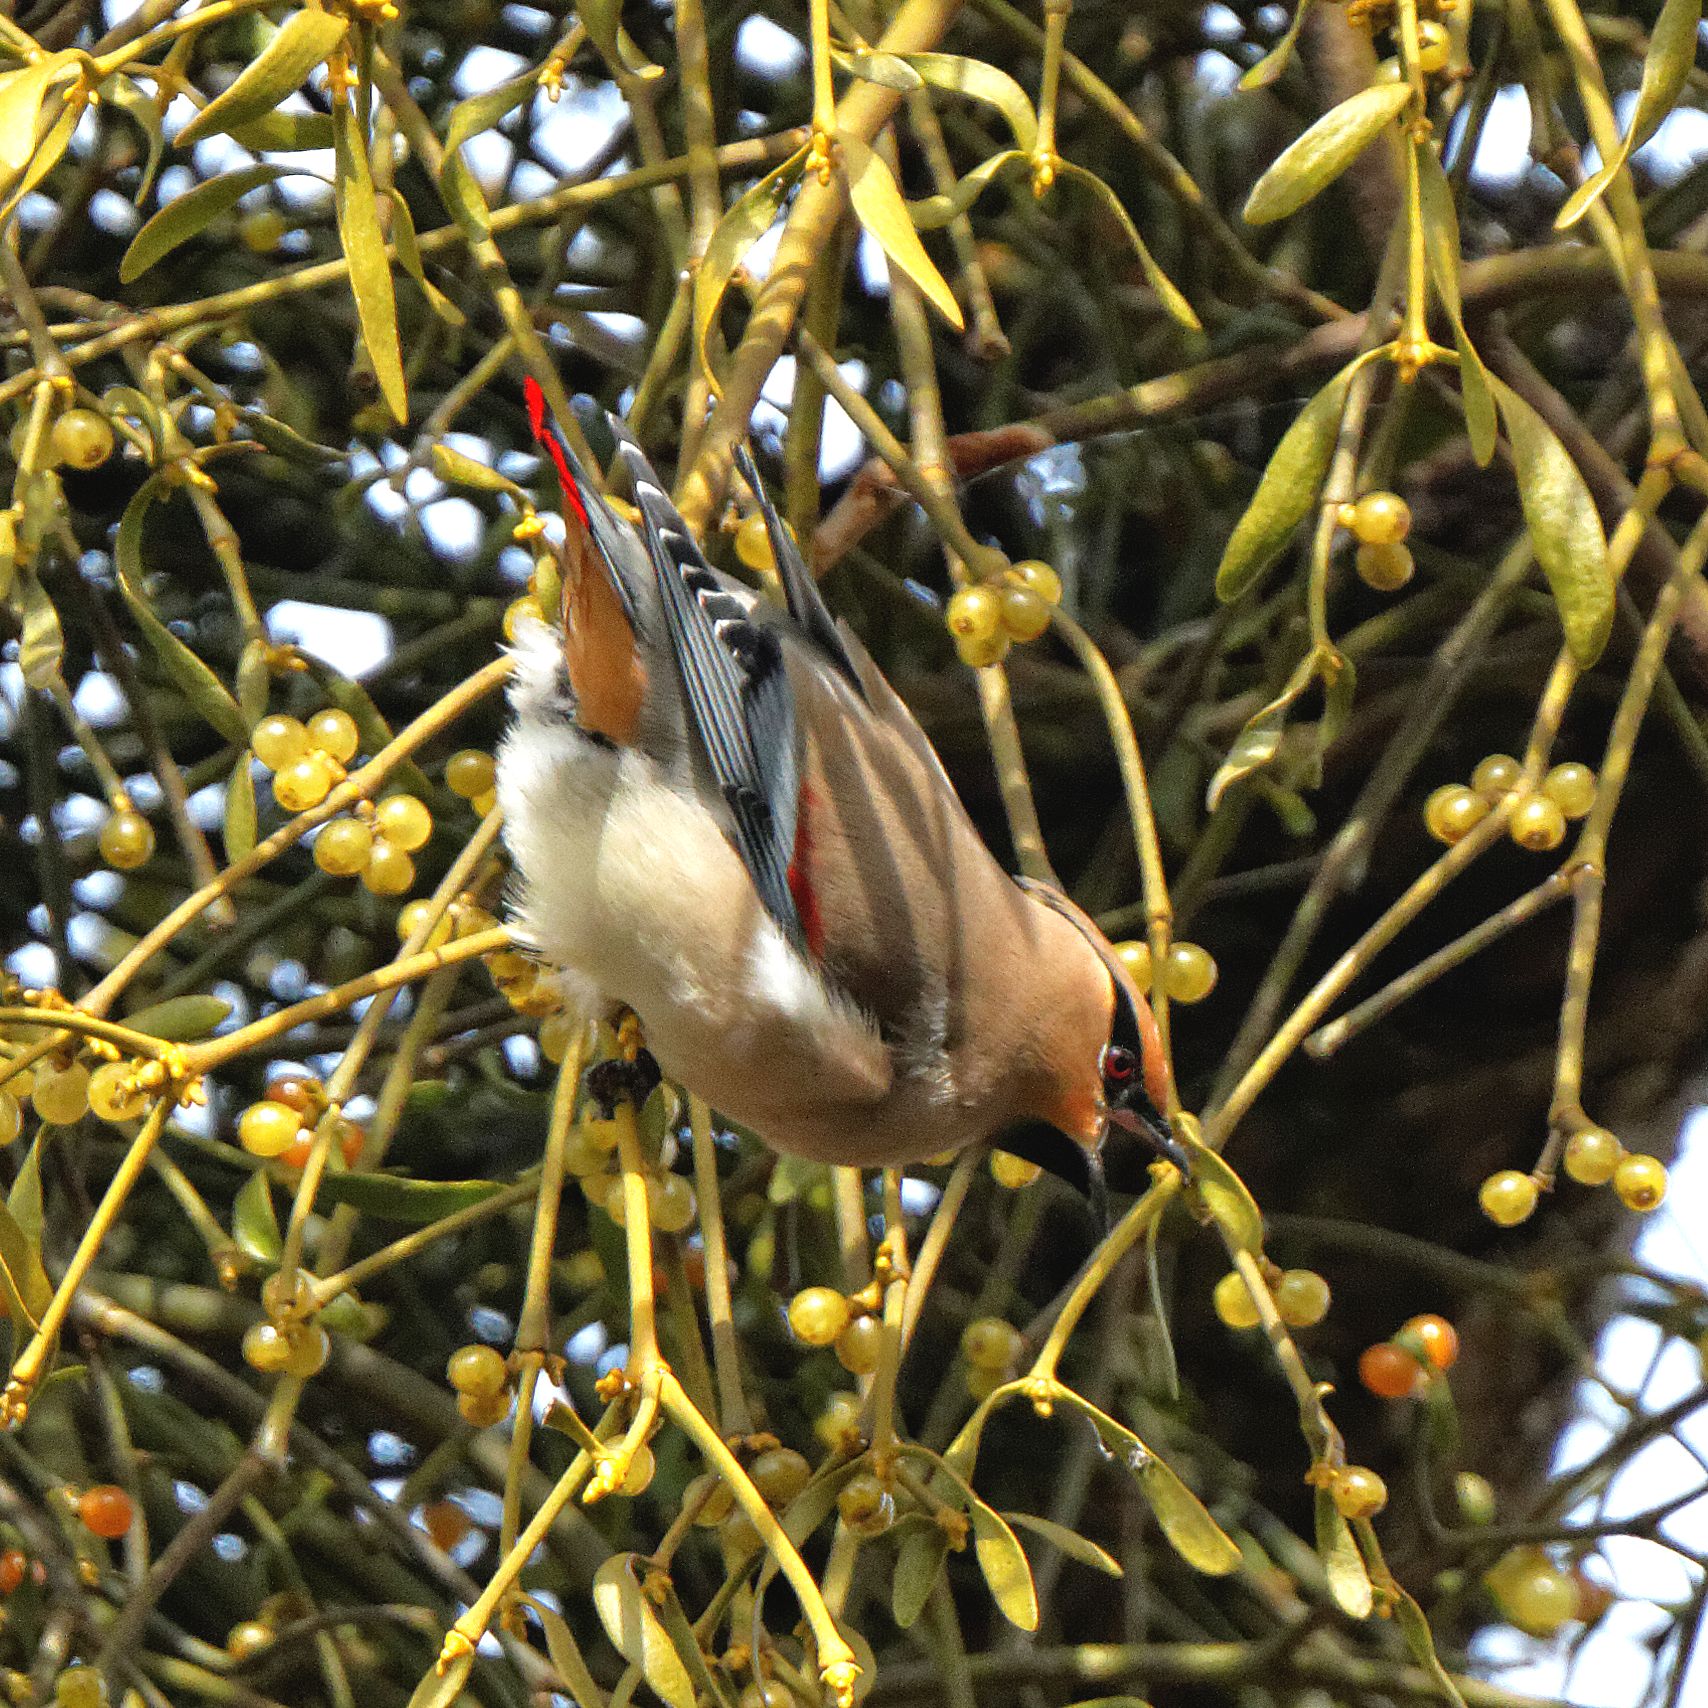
pixel 389 871
pixel 1592 1156
pixel 310 1346
pixel 817 1315
pixel 1537 824
pixel 981 1384
pixel 985 650
pixel 753 542
pixel 1571 787
pixel 278 740
pixel 670 1203
pixel 334 732
pixel 989 1343
pixel 858 1345
pixel 412 917
pixel 114 1094
pixel 1358 1492
pixel 975 614
pixel 483 1411
pixel 268 1128
pixel 1302 1298
pixel 839 1422
pixel 640 1472
pixel 1037 575
pixel 1452 812
pixel 79 1687
pixel 1025 615
pixel 865 1505
pixel 81 439
pixel 1189 974
pixel 1508 1197
pixel 710 1498
pixel 262 231
pixel 485 801
pixel 1012 1171
pixel 1387 568
pixel 61 1094
pixel 343 846
pixel 780 1473
pixel 403 821
pixel 1433 45
pixel 249 1638
pixel 738 1536
pixel 304 783
pixel 1476 1498
pixel 477 1370
pixel 11 1116
pixel 1640 1182
pixel 469 773
pixel 127 841
pixel 266 1348
pixel 1496 774
pixel 1534 1593
pixel 765 1693
pixel 1135 956
pixel 557 1033
pixel 1379 519
pixel 1234 1303
pixel 520 611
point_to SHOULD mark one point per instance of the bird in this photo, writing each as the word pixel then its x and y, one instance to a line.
pixel 722 817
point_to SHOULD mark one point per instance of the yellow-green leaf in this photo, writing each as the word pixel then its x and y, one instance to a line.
pixel 919 1564
pixel 1343 1565
pixel 1565 527
pixel 26 1280
pixel 1069 1542
pixel 1313 162
pixel 879 207
pixel 748 219
pixel 440 1689
pixel 25 1198
pixel 204 690
pixel 931 212
pixel 1273 63
pixel 1260 740
pixel 566 1656
pixel 392 1198
pixel 370 270
pixel 1286 491
pixel 180 1019
pixel 1224 1196
pixel 240 816
pixel 253 1224
pixel 887 70
pixel 409 258
pixel 41 647
pixel 1168 293
pixel 46 157
pixel 452 465
pixel 481 112
pixel 303 42
pixel 21 95
pixel 636 1631
pixel 1441 245
pixel 190 214
pixel 462 196
pixel 1414 1627
pixel 284 133
pixel 143 110
pixel 981 82
pixel 1666 69
pixel 1002 1560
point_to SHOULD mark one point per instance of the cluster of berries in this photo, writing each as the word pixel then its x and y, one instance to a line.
pixel 1539 818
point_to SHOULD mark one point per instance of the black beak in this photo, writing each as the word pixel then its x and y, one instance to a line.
pixel 1150 1127
pixel 1053 1151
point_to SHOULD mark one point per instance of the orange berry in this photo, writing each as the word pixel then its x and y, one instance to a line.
pixel 105 1509
pixel 1439 1337
pixel 14 1565
pixel 1389 1371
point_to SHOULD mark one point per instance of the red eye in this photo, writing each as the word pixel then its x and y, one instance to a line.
pixel 1119 1064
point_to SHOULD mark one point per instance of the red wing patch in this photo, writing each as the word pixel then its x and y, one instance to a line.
pixel 800 879
pixel 545 435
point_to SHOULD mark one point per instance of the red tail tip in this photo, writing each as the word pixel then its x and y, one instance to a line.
pixel 547 436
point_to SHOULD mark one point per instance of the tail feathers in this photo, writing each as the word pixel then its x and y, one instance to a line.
pixel 604 663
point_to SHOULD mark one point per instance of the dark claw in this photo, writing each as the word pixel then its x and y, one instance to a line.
pixel 611 1082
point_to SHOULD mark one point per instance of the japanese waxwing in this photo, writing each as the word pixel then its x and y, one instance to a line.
pixel 723 817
